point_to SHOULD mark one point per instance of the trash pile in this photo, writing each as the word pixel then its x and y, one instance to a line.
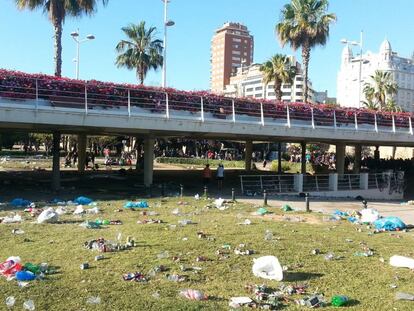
pixel 133 205
pixel 12 268
pixel 106 246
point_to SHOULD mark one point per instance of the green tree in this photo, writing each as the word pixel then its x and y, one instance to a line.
pixel 392 106
pixel 305 24
pixel 141 52
pixel 381 89
pixel 278 69
pixel 57 10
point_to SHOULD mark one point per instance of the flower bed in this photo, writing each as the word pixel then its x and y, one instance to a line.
pixel 64 91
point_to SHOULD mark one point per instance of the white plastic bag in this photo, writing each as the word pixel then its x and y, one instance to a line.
pixel 48 216
pixel 402 262
pixel 61 210
pixel 369 215
pixel 268 267
pixel 79 210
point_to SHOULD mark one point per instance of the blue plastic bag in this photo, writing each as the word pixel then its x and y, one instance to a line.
pixel 19 202
pixel 340 213
pixel 25 276
pixel 83 200
pixel 140 204
pixel 389 224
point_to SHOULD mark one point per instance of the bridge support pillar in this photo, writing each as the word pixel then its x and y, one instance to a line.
pixel 357 158
pixel 333 182
pixel 81 152
pixel 56 162
pixel 248 155
pixel 340 158
pixel 279 158
pixel 303 158
pixel 298 182
pixel 138 143
pixel 148 161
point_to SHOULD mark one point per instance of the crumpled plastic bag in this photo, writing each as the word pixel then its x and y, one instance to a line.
pixel 193 294
pixel 12 219
pixel 140 204
pixel 369 215
pixel 219 203
pixel 83 200
pixel 389 224
pixel 11 266
pixel 19 202
pixel 79 210
pixel 402 262
pixel 61 210
pixel 94 210
pixel 268 267
pixel 48 216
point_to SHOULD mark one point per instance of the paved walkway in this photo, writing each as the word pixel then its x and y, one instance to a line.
pixel 405 212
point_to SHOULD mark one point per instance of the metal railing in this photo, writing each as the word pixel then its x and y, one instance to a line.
pixel 133 101
pixel 349 182
pixel 255 184
pixel 315 183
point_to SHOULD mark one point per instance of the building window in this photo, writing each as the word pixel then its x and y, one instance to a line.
pixel 298 93
pixel 258 95
pixel 235 46
pixel 271 94
pixel 236 52
pixel 250 89
pixel 235 58
pixel 236 40
pixel 259 88
pixel 286 94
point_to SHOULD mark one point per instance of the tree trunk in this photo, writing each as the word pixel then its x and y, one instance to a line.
pixel 140 75
pixel 278 89
pixel 57 24
pixel 305 61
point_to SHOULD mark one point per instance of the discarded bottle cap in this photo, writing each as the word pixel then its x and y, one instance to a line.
pixel 84 266
pixel 99 257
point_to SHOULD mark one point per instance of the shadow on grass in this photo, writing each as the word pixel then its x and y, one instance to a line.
pixel 300 276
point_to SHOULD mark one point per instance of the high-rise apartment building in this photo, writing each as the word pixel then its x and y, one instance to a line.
pixel 231 48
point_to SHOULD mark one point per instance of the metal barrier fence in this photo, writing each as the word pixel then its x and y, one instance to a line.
pixel 113 98
pixel 255 184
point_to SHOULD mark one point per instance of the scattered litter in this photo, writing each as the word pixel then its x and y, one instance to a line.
pixel 17 231
pixel 29 305
pixel 84 266
pixel 19 202
pixel 137 277
pixel 315 251
pixel 219 203
pixel 238 302
pixel 61 210
pixel 163 255
pixel 246 222
pixel 11 219
pixel 156 295
pixel 25 276
pixel 140 204
pixel 90 225
pixel 268 267
pixel 176 278
pixel 314 301
pixel 10 301
pixel 389 224
pixel 185 222
pixel 369 215
pixel 287 208
pixel 48 216
pixel 93 300
pixel 94 210
pixel 339 300
pixel 197 197
pixel 105 246
pixel 83 200
pixel 262 211
pixel 242 250
pixel 193 294
pixel 402 262
pixel 268 235
pixel 404 296
pixel 79 210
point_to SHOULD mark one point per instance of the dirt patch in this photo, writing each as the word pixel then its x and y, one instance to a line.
pixel 309 219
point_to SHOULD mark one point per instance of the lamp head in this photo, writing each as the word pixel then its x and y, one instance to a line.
pixel 74 34
pixel 90 37
pixel 170 23
pixel 344 41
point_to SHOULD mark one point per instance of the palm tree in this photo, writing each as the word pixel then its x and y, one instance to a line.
pixel 305 24
pixel 141 51
pixel 57 11
pixel 392 106
pixel 381 89
pixel 369 104
pixel 279 70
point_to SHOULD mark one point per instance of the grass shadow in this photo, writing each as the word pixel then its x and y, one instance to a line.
pixel 301 276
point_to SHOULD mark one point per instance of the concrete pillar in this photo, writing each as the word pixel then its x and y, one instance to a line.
pixel 303 158
pixel 340 158
pixel 377 153
pixel 56 162
pixel 248 155
pixel 148 161
pixel 357 159
pixel 138 143
pixel 279 158
pixel 333 182
pixel 298 182
pixel 81 152
pixel 363 181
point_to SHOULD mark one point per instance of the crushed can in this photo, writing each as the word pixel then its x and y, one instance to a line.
pixel 84 266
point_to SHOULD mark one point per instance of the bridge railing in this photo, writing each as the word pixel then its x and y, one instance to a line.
pixel 131 100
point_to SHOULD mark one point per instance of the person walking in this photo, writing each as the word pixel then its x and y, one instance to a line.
pixel 206 175
pixel 220 176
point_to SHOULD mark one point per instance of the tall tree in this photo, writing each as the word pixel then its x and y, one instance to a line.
pixel 305 24
pixel 57 10
pixel 141 52
pixel 381 90
pixel 278 69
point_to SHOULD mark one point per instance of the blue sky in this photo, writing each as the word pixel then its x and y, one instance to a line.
pixel 27 42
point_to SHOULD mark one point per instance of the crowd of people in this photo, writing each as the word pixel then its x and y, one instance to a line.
pixel 64 91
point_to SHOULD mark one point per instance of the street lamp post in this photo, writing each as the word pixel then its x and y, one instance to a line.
pixel 75 36
pixel 360 44
pixel 167 23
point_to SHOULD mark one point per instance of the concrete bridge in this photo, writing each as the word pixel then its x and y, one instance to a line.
pixel 39 103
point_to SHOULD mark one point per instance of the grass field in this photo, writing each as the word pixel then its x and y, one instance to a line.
pixel 366 280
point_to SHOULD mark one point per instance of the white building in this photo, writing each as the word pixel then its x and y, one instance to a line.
pixel 402 70
pixel 248 82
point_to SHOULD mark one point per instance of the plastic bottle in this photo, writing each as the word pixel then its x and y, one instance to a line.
pixel 339 300
pixel 268 235
pixel 29 305
pixel 10 301
pixel 32 267
pixel 404 296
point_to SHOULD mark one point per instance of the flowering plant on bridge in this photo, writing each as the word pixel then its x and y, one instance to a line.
pixel 106 95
